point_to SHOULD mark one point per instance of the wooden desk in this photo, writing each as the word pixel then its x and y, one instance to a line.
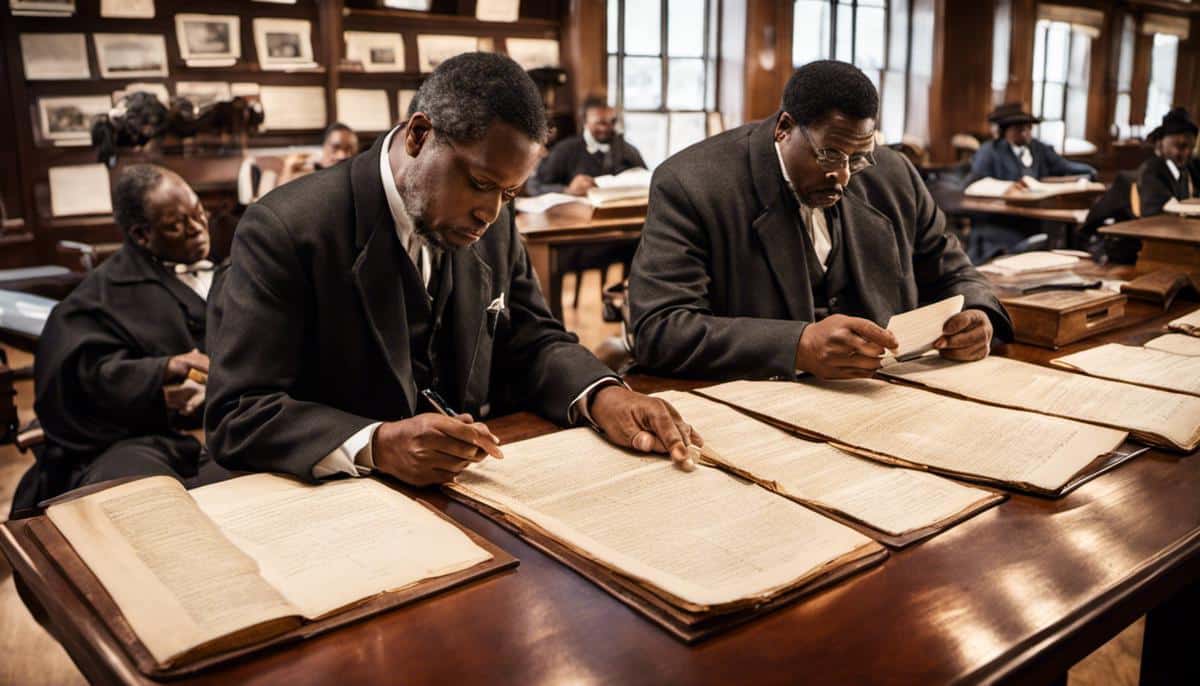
pixel 546 236
pixel 1072 217
pixel 1168 242
pixel 1016 594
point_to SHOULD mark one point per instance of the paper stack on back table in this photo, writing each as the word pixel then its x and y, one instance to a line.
pixel 1137 365
pixel 1154 416
pixel 904 505
pixel 912 426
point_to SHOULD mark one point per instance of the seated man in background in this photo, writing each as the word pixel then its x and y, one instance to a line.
pixel 1174 171
pixel 113 371
pixel 339 143
pixel 360 296
pixel 1011 156
pixel 782 246
pixel 573 163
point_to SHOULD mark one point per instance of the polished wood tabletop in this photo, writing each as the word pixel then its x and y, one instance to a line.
pixel 998 206
pixel 1016 594
pixel 1163 227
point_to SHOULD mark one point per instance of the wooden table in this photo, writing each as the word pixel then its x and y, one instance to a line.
pixel 546 236
pixel 1016 594
pixel 1168 242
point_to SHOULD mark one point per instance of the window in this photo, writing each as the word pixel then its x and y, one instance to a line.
pixel 1162 78
pixel 873 34
pixel 1061 63
pixel 662 72
pixel 1122 112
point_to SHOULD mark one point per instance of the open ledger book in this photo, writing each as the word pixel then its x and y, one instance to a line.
pixel 1154 416
pixel 890 504
pixel 683 548
pixel 1188 323
pixel 1137 365
pixel 204 572
pixel 914 427
pixel 1176 343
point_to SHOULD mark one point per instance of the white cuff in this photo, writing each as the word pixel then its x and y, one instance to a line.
pixel 352 458
pixel 579 406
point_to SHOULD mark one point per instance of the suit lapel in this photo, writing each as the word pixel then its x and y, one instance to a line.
pixel 472 294
pixel 870 256
pixel 376 270
pixel 133 264
pixel 778 226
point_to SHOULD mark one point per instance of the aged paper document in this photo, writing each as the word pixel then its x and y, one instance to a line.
pixel 1137 365
pixel 330 545
pixel 701 539
pixel 1188 323
pixel 1177 343
pixel 914 426
pixel 1156 416
pixel 895 501
pixel 177 578
pixel 917 329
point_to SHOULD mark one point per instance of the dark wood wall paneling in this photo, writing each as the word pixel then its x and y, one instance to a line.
pixel 961 92
pixel 25 160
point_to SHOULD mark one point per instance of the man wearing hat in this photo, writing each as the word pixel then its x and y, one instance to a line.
pixel 1011 156
pixel 1174 171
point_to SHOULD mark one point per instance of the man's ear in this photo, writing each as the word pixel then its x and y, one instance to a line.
pixel 417 133
pixel 140 233
pixel 783 126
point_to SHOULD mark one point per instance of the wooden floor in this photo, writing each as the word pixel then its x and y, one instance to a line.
pixel 30 657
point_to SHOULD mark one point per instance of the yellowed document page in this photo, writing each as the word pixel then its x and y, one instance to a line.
pixel 916 330
pixel 889 499
pixel 1177 343
pixel 327 546
pixel 1158 416
pixel 924 428
pixel 177 579
pixel 1137 365
pixel 701 539
pixel 1188 323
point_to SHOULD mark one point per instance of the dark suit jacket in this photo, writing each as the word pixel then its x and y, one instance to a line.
pixel 102 356
pixel 996 159
pixel 720 285
pixel 570 157
pixel 1156 186
pixel 309 333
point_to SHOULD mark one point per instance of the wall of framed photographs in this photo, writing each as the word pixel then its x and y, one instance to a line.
pixel 312 61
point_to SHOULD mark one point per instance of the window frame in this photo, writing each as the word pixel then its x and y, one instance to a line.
pixel 1039 107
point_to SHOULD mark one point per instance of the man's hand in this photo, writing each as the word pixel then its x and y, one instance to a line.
pixel 966 336
pixel 297 163
pixel 580 185
pixel 179 366
pixel 184 398
pixel 432 448
pixel 633 420
pixel 841 347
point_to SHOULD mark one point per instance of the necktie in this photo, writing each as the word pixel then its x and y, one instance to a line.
pixel 419 257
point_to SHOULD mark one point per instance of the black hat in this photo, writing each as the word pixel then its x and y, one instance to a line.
pixel 1173 122
pixel 1011 113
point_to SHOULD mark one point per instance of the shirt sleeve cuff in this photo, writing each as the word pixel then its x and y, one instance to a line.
pixel 352 458
pixel 579 406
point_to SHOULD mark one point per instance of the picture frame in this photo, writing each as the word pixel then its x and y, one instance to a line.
pixel 130 55
pixel 43 8
pixel 68 119
pixel 209 39
pixel 433 49
pixel 375 50
pixel 54 56
pixel 283 44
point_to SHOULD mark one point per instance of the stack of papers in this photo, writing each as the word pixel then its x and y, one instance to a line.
pixel 989 187
pixel 1029 263
pixel 631 184
pixel 1187 208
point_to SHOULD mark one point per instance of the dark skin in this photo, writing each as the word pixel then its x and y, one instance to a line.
pixel 1019 135
pixel 601 122
pixel 839 346
pixel 176 231
pixel 456 191
pixel 1178 147
pixel 339 145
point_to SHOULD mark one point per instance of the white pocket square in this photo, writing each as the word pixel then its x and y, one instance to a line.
pixel 497 305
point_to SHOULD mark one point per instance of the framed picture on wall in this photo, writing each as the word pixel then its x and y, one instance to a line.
pixel 54 56
pixel 209 39
pixel 432 50
pixel 418 5
pixel 60 8
pixel 283 44
pixel 375 50
pixel 68 119
pixel 122 55
pixel 127 9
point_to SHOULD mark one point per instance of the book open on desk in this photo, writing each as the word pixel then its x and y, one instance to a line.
pixel 188 579
pixel 1033 191
pixel 694 551
pixel 1137 365
pixel 1188 323
pixel 913 427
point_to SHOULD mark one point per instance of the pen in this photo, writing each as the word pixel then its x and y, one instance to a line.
pixel 439 403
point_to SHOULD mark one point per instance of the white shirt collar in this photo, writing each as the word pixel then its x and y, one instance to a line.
pixel 403 222
pixel 593 146
pixel 813 218
pixel 1172 168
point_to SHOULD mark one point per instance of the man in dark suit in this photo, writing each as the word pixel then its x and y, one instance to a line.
pixel 761 258
pixel 1173 172
pixel 1011 156
pixel 573 163
pixel 112 366
pixel 357 288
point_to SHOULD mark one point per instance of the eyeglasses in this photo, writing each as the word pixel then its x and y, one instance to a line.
pixel 832 160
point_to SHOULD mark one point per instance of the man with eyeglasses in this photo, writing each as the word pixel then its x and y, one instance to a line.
pixel 120 368
pixel 376 311
pixel 574 163
pixel 782 247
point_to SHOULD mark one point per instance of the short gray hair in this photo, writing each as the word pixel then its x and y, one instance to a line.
pixel 467 92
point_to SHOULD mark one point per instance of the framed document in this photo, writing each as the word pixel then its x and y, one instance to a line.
pixel 497 10
pixel 67 120
pixel 364 109
pixel 532 53
pixel 54 56
pixel 50 8
pixel 209 39
pixel 283 44
pixel 378 52
pixel 127 9
pixel 122 55
pixel 432 50
pixel 293 108
pixel 80 189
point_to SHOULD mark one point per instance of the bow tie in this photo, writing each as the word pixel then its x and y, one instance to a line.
pixel 193 268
